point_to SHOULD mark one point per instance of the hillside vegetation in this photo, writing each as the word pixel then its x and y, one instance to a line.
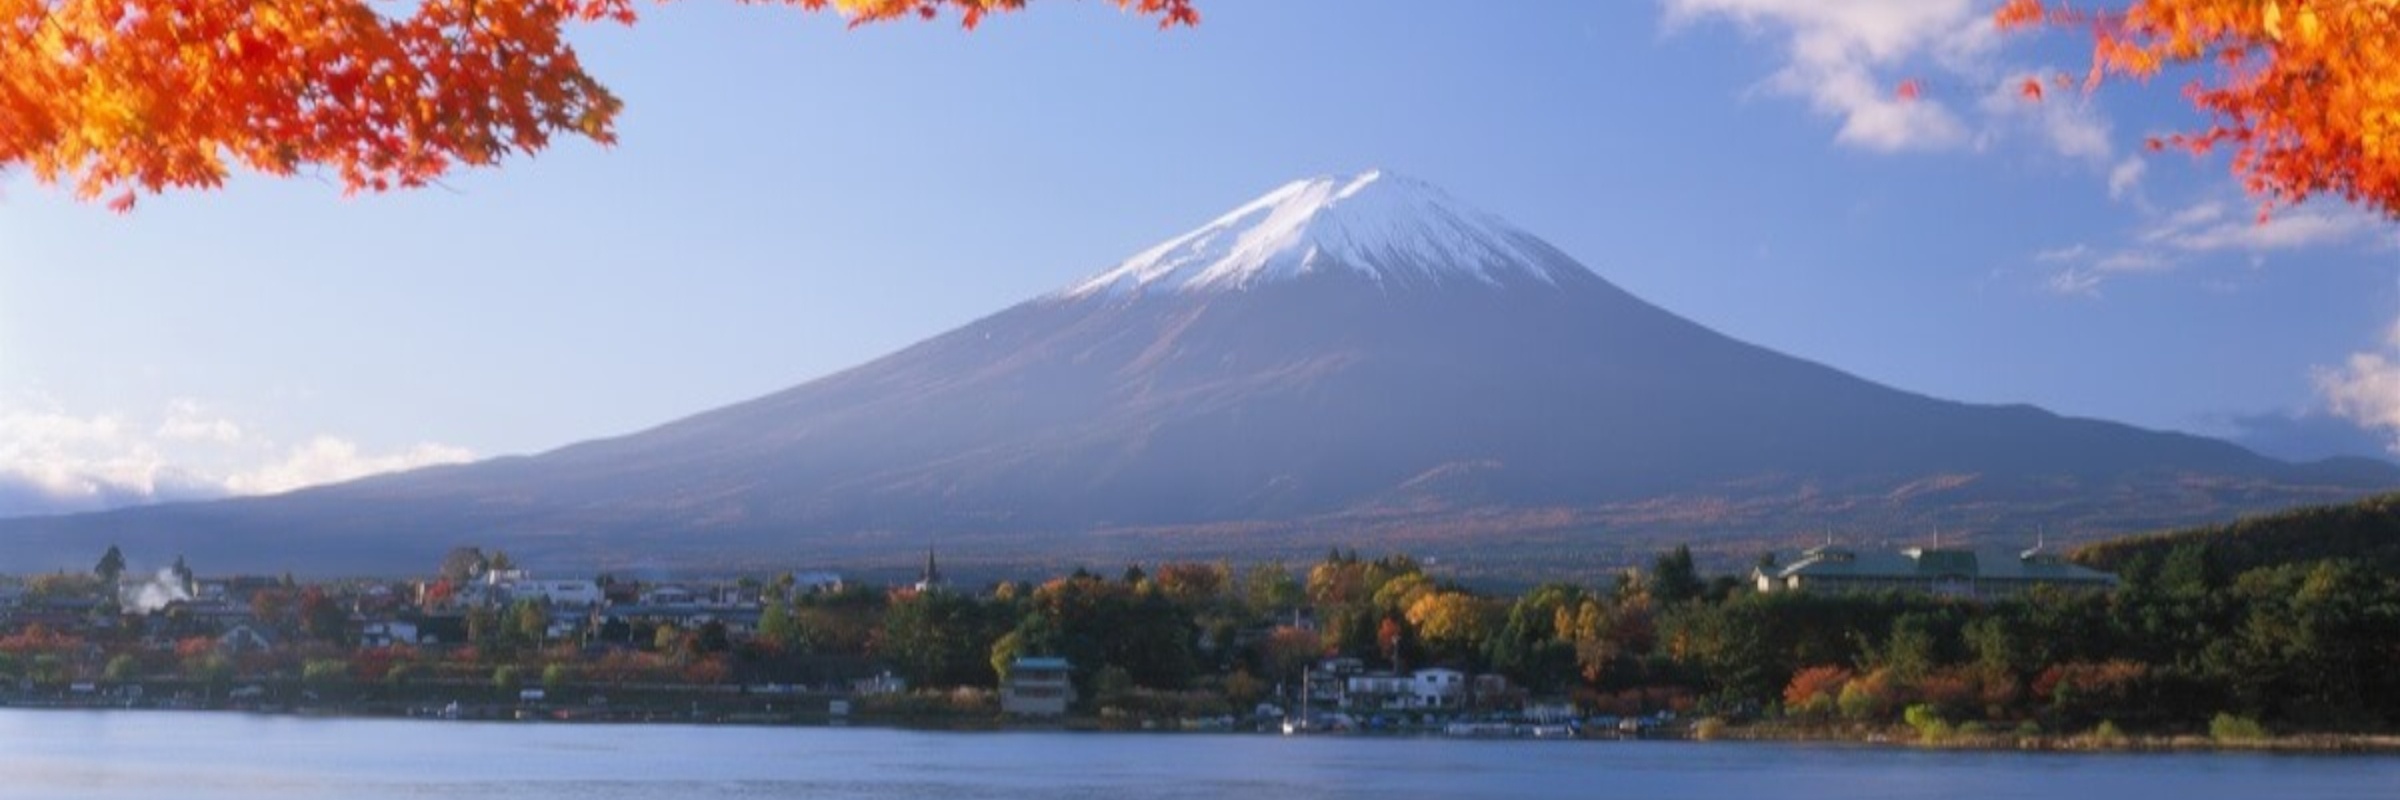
pixel 2366 532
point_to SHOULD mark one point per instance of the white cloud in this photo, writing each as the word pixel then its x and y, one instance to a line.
pixel 2081 268
pixel 2206 228
pixel 2071 126
pixel 187 421
pixel 2366 389
pixel 1848 58
pixel 326 459
pixel 2125 179
pixel 1843 56
pixel 2198 232
pixel 52 461
pixel 2075 281
pixel 2125 261
pixel 2067 255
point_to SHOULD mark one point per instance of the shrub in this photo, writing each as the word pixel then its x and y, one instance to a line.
pixel 1709 728
pixel 321 671
pixel 400 674
pixel 2230 728
pixel 1868 697
pixel 1927 719
pixel 1812 685
pixel 121 669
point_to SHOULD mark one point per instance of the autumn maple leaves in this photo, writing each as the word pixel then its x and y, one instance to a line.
pixel 122 97
pixel 2306 93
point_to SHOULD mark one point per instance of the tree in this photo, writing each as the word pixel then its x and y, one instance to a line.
pixel 939 639
pixel 121 668
pixel 111 566
pixel 322 618
pixel 1675 578
pixel 529 622
pixel 778 630
pixel 325 671
pixel 1813 692
pixel 126 96
pixel 507 677
pixel 1453 625
pixel 483 628
pixel 1270 589
pixel 2305 92
pixel 462 564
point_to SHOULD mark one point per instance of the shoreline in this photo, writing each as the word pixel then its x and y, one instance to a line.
pixel 1903 737
pixel 1862 737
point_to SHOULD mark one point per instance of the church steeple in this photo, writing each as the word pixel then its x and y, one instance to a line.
pixel 931 578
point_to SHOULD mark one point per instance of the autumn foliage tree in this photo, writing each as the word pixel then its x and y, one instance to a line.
pixel 119 97
pixel 2305 93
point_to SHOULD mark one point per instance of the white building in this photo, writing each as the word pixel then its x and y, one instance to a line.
pixel 1438 688
pixel 1037 687
pixel 558 594
pixel 385 633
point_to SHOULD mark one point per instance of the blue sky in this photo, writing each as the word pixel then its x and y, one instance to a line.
pixel 790 197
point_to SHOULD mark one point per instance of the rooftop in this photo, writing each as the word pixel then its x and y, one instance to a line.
pixel 1931 563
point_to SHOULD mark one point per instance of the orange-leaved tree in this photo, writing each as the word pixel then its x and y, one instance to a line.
pixel 2306 93
pixel 125 96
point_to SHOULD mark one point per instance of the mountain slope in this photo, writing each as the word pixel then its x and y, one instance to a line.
pixel 1355 359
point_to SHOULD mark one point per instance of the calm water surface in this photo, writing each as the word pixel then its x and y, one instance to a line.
pixel 196 756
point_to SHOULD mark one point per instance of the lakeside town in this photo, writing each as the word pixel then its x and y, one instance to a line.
pixel 1930 644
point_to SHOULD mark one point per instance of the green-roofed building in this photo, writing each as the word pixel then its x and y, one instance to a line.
pixel 1946 572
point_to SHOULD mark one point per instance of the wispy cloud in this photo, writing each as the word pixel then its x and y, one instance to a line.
pixel 2206 227
pixel 2201 232
pixel 2080 270
pixel 2125 180
pixel 54 461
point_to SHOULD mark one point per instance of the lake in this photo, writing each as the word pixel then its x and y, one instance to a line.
pixel 202 755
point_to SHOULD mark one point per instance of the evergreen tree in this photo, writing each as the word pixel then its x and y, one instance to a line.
pixel 111 566
pixel 1674 578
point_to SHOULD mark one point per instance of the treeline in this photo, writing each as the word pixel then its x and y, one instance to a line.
pixel 2304 646
pixel 2366 532
pixel 2193 635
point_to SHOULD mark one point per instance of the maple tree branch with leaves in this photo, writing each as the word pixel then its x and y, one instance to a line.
pixel 124 97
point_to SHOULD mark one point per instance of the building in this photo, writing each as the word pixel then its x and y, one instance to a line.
pixel 1945 572
pixel 1439 688
pixel 557 594
pixel 1423 690
pixel 1377 690
pixel 388 632
pixel 246 638
pixel 931 579
pixel 1037 687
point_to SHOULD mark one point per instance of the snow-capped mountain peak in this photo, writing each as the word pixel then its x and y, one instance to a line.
pixel 1392 229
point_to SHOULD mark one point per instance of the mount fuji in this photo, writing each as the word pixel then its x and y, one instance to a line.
pixel 1359 360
